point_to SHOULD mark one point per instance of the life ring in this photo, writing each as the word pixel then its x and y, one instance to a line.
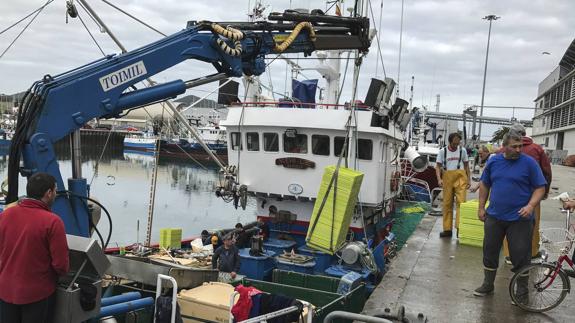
pixel 395 179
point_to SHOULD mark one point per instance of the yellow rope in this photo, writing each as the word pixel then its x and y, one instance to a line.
pixel 295 32
pixel 237 35
pixel 228 32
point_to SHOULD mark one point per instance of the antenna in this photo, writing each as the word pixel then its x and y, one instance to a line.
pixel 437 102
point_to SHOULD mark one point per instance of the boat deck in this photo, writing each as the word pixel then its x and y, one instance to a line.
pixel 436 277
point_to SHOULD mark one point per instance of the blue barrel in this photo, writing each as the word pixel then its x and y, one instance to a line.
pixel 304 268
pixel 322 259
pixel 279 246
pixel 256 267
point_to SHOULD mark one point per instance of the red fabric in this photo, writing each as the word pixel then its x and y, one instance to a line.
pixel 241 310
pixel 33 252
pixel 536 152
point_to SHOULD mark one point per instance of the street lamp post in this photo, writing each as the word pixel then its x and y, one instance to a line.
pixel 490 18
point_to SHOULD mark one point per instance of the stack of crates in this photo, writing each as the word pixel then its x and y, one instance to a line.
pixel 171 238
pixel 323 235
pixel 470 228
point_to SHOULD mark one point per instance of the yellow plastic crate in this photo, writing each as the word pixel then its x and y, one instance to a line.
pixel 471 242
pixel 470 228
pixel 331 227
pixel 171 238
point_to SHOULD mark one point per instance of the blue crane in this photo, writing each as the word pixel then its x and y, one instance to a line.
pixel 57 106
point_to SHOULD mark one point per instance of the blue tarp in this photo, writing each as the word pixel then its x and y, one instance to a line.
pixel 304 91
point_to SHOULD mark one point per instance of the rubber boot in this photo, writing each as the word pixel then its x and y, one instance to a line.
pixel 522 290
pixel 487 287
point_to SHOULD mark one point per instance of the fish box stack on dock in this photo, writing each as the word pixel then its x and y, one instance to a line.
pixel 470 228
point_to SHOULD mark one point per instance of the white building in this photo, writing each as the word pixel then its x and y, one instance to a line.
pixel 554 120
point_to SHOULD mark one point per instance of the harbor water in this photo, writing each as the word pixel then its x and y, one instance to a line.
pixel 121 181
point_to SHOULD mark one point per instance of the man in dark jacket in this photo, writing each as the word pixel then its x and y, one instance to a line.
pixel 227 257
pixel 33 253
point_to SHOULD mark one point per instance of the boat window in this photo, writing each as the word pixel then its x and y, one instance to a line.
pixel 235 140
pixel 320 145
pixel 364 149
pixel 271 141
pixel 295 143
pixel 253 141
pixel 432 158
pixel 338 146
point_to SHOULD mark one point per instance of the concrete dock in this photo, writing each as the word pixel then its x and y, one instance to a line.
pixel 436 277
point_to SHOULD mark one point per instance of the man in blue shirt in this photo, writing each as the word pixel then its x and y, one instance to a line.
pixel 514 184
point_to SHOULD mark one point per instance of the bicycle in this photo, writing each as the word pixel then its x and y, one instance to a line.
pixel 542 286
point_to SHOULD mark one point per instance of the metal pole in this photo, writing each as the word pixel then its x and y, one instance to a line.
pixel 490 18
pixel 399 56
pixel 76 154
pixel 152 199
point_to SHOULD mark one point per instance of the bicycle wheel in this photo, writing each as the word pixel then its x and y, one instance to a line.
pixel 533 288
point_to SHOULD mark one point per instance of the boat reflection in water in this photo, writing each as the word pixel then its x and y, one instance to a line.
pixel 121 182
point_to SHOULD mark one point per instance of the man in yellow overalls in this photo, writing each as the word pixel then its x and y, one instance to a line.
pixel 452 171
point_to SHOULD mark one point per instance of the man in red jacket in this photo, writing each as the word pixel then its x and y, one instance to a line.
pixel 33 254
pixel 536 152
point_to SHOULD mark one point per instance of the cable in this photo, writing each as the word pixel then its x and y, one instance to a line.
pixel 92 36
pixel 136 19
pixel 101 154
pixel 378 44
pixel 100 205
pixel 25 27
pixel 19 21
pixel 343 80
pixel 90 15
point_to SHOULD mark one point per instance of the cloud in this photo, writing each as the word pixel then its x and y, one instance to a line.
pixel 444 44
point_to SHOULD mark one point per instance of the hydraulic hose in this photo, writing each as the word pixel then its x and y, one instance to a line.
pixel 230 33
pixel 295 32
pixel 100 205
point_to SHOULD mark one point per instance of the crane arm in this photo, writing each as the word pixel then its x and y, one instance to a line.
pixel 56 106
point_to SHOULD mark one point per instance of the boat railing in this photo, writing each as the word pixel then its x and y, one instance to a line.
pixel 300 105
pixel 161 278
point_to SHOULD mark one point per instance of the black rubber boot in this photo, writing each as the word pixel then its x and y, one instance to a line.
pixel 487 287
pixel 522 290
pixel 445 234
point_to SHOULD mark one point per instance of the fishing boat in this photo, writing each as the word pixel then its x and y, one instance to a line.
pixel 214 138
pixel 142 141
pixel 287 156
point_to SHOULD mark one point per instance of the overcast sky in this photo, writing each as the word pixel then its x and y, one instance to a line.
pixel 444 44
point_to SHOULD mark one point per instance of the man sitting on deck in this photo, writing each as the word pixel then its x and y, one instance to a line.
pixel 227 257
pixel 514 184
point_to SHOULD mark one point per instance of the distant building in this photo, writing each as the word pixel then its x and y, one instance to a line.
pixel 206 112
pixel 554 120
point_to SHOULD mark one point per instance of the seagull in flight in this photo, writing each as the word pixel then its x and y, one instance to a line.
pixel 545 53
